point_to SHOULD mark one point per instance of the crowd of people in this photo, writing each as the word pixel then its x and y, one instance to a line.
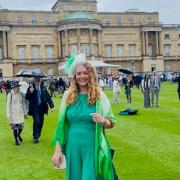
pixel 85 111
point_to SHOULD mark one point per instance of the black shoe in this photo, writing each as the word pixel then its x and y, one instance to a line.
pixel 20 138
pixel 17 143
pixel 35 140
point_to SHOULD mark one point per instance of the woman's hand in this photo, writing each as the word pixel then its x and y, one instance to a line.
pixel 98 118
pixel 57 158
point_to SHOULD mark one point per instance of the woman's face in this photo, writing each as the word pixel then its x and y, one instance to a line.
pixel 82 76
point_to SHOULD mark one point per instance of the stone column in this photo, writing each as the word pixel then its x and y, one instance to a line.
pixel 160 44
pixel 59 44
pixel 99 43
pixel 66 43
pixel 147 43
pixel 4 45
pixel 157 43
pixel 143 44
pixel 78 40
pixel 90 43
pixel 9 45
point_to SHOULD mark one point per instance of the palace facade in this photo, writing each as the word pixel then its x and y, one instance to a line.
pixel 44 39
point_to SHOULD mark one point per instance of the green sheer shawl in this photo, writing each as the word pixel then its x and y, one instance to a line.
pixel 103 161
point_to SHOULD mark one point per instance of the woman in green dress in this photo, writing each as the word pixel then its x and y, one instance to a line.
pixel 84 113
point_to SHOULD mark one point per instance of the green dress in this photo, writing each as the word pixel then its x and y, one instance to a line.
pixel 80 147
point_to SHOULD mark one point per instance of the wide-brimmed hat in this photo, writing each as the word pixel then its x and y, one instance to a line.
pixel 15 84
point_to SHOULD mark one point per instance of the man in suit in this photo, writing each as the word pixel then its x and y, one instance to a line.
pixel 39 100
pixel 155 87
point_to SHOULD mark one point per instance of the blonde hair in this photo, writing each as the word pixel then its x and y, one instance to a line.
pixel 93 85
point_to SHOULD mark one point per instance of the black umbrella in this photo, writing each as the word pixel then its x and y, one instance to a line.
pixel 125 71
pixel 31 73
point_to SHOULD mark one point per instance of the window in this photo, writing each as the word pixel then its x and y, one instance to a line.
pixel 34 20
pixel 49 52
pixel 178 49
pixel 1 73
pixel 149 19
pixel 1 53
pixel 94 50
pixel 73 48
pixel 167 36
pixel 50 72
pixel 20 19
pixel 132 50
pixel 108 50
pixel 119 20
pixel 149 50
pixel 106 20
pixel 131 20
pixel 21 52
pixel 35 52
pixel 47 20
pixel 120 50
pixel 85 49
pixel 178 36
pixel 167 49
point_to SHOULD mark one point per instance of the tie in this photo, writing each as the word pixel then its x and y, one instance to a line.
pixel 39 95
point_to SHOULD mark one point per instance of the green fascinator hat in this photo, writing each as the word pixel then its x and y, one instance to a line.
pixel 73 61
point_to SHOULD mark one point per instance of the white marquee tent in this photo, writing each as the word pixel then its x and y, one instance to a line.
pixel 95 63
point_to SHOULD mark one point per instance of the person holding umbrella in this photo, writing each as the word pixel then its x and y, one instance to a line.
pixel 39 100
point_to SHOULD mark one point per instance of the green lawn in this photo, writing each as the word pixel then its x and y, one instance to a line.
pixel 147 145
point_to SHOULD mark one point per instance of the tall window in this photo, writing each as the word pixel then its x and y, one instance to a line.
pixel 94 50
pixel 120 50
pixel 130 20
pixel 178 49
pixel 21 52
pixel 47 20
pixel 19 19
pixel 1 73
pixel 1 53
pixel 35 52
pixel 167 36
pixel 167 49
pixel 49 52
pixel 85 49
pixel 106 20
pixel 150 50
pixel 73 48
pixel 108 50
pixel 119 20
pixel 149 19
pixel 34 20
pixel 132 50
pixel 50 72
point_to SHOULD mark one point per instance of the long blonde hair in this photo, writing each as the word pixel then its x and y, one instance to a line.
pixel 93 86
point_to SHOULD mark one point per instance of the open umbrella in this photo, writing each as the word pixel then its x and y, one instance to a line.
pixel 30 73
pixel 125 71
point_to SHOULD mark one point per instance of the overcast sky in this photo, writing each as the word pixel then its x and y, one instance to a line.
pixel 169 10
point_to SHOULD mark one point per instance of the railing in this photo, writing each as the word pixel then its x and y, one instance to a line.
pixel 38 60
pixel 88 21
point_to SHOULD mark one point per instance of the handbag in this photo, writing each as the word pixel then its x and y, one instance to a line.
pixel 115 174
pixel 62 163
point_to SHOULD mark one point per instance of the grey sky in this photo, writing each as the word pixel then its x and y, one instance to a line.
pixel 169 10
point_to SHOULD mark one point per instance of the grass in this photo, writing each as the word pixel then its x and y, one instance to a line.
pixel 147 145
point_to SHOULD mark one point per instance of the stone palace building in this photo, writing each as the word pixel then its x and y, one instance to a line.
pixel 44 39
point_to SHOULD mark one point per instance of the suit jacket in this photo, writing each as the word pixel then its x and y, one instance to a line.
pixel 158 81
pixel 33 101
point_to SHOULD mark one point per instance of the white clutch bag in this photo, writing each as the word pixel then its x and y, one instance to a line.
pixel 62 163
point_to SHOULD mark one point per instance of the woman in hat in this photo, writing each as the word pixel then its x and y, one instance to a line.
pixel 84 114
pixel 16 111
